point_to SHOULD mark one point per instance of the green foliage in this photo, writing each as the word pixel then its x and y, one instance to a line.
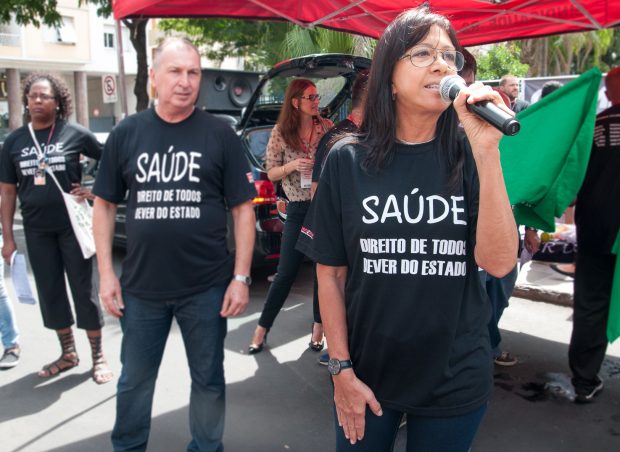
pixel 500 60
pixel 104 7
pixel 27 12
pixel 257 42
pixel 262 44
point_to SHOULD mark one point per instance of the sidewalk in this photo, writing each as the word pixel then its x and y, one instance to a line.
pixel 538 282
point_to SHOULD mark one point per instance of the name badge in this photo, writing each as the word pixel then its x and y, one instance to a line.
pixel 39 176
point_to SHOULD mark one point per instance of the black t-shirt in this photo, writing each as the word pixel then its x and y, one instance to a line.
pixel 416 313
pixel 42 206
pixel 344 126
pixel 597 215
pixel 180 179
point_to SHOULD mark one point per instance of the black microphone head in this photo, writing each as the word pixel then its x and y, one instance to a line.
pixel 450 86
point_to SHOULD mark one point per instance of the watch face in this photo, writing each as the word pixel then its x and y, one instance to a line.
pixel 333 366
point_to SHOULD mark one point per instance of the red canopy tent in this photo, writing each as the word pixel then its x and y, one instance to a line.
pixel 477 21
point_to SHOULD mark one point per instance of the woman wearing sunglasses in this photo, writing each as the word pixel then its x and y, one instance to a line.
pixel 289 159
pixel 404 216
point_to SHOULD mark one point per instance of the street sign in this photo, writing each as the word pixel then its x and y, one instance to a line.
pixel 108 88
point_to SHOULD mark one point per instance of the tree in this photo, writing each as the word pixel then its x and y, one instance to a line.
pixel 500 60
pixel 572 53
pixel 28 12
pixel 262 44
pixel 137 36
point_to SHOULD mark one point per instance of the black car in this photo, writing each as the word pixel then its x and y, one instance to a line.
pixel 333 75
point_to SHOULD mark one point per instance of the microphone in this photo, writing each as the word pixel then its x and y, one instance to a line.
pixel 451 86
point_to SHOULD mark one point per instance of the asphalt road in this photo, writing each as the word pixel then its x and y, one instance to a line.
pixel 280 400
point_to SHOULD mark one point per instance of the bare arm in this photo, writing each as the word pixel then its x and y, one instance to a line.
pixel 104 215
pixel 237 295
pixel 496 232
pixel 351 395
pixel 8 197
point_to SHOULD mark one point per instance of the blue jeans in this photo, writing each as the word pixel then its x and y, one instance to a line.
pixel 145 325
pixel 499 291
pixel 8 327
pixel 424 433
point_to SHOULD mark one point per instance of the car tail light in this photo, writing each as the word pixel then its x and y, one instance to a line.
pixel 266 192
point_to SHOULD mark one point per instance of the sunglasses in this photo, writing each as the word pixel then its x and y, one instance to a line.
pixel 311 97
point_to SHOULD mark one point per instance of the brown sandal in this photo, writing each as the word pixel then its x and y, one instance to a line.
pixel 101 372
pixel 62 364
pixel 68 360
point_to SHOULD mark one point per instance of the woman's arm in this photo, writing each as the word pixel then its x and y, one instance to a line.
pixel 274 159
pixel 496 231
pixel 351 395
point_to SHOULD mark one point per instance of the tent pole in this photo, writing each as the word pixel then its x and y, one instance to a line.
pixel 121 69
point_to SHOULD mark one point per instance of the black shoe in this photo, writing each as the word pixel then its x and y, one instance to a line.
pixel 561 272
pixel 315 346
pixel 253 349
pixel 586 395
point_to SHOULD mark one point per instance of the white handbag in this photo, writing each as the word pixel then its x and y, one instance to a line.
pixel 80 212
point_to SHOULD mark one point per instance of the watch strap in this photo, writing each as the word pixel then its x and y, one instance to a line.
pixel 243 278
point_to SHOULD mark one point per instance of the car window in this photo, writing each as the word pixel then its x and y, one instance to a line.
pixel 273 91
pixel 256 140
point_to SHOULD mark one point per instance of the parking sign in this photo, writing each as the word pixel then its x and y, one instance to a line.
pixel 108 85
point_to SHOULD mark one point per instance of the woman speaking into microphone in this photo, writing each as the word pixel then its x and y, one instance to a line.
pixel 404 216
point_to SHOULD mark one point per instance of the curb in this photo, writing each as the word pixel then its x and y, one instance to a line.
pixel 535 293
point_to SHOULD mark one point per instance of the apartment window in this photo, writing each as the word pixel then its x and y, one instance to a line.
pixel 9 34
pixel 63 34
pixel 108 40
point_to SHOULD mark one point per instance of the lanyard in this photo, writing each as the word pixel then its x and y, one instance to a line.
pixel 43 155
pixel 309 142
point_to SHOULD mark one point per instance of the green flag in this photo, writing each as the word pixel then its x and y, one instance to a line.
pixel 545 163
pixel 613 320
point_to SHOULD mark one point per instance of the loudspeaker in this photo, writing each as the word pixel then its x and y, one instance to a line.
pixel 226 91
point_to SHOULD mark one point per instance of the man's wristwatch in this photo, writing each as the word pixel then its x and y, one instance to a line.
pixel 335 366
pixel 244 279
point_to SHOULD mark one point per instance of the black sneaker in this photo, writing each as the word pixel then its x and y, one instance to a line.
pixel 10 358
pixel 585 395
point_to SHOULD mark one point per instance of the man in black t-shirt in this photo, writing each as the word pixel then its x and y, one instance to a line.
pixel 181 170
pixel 597 218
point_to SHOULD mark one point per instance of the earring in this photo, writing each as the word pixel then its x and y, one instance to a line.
pixel 26 107
pixel 57 108
pixel 393 95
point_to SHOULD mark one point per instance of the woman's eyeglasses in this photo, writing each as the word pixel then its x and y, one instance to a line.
pixel 311 97
pixel 422 56
pixel 43 97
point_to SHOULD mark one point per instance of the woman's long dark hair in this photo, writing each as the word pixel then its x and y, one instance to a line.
pixel 378 128
pixel 59 87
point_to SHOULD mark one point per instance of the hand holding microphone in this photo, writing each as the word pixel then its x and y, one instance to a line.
pixel 451 86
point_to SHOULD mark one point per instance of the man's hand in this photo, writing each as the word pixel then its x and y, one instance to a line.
pixel 81 192
pixel 236 299
pixel 110 294
pixel 8 249
pixel 531 241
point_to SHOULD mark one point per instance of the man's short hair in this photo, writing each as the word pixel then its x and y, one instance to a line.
pixel 504 79
pixel 550 87
pixel 170 40
pixel 358 92
pixel 470 63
